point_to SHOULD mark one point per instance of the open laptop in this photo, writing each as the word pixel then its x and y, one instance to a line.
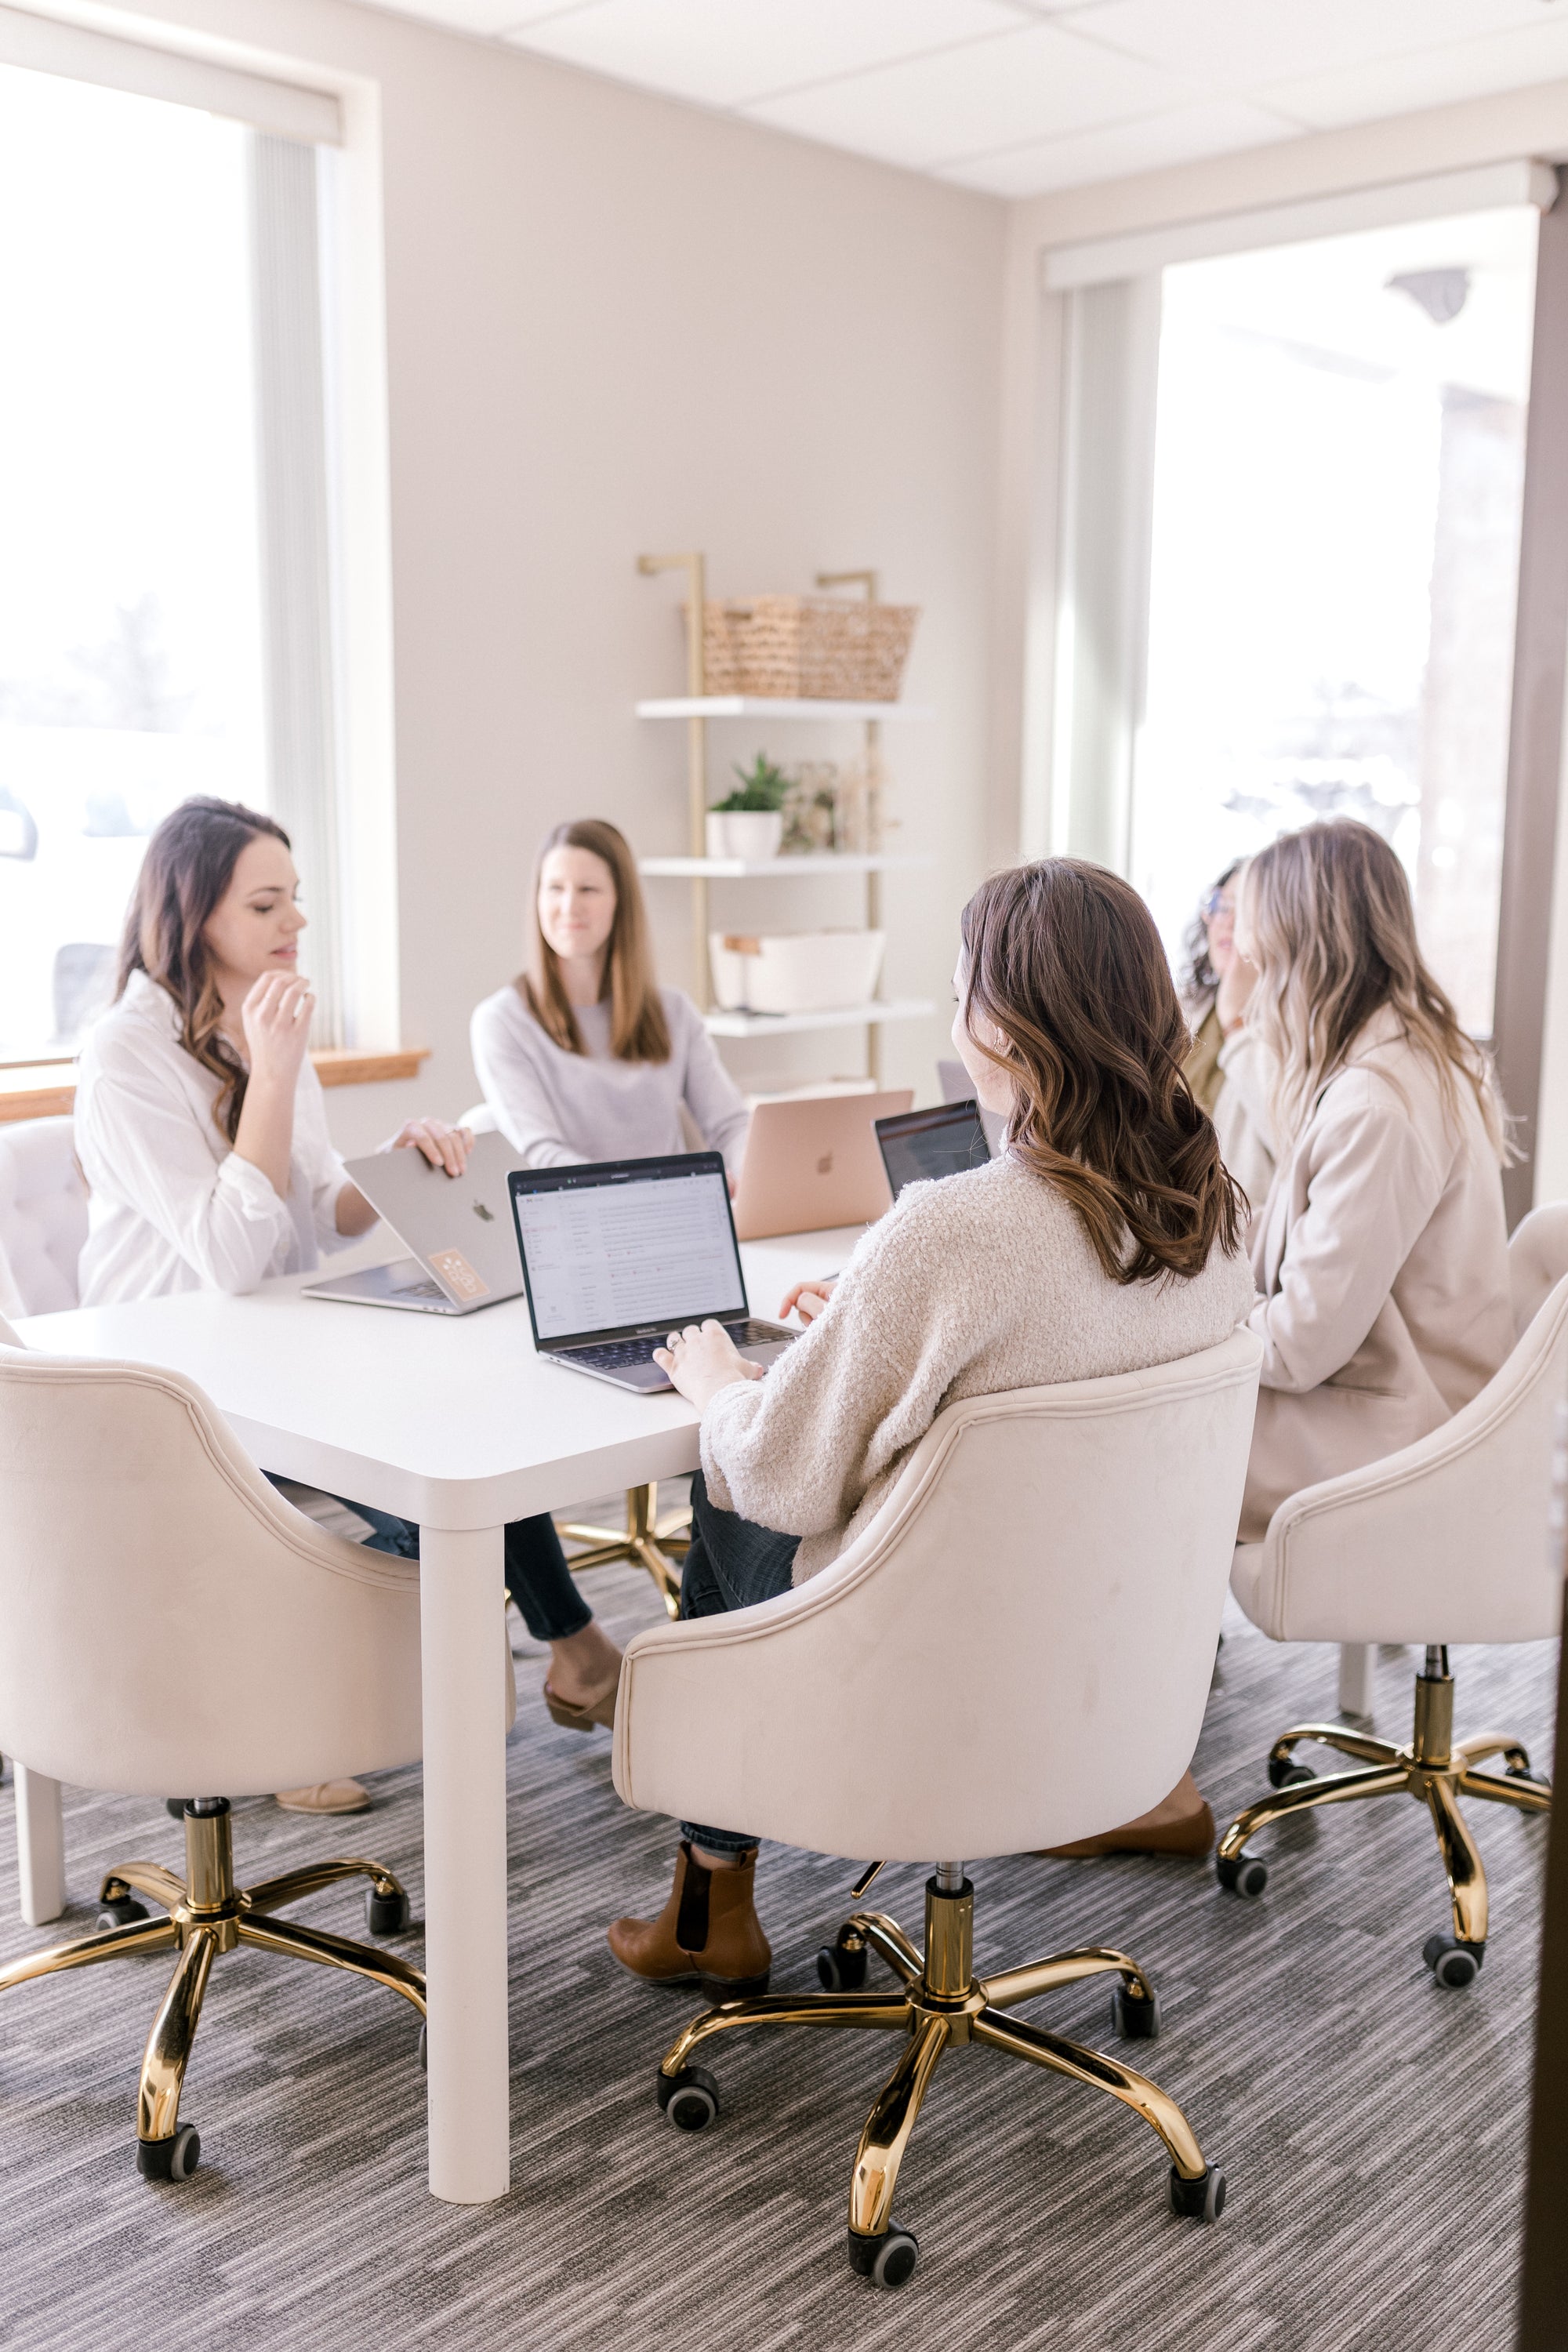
pixel 813 1163
pixel 926 1143
pixel 617 1254
pixel 459 1228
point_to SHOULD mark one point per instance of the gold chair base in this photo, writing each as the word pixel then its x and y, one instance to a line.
pixel 208 1915
pixel 1434 1769
pixel 648 1542
pixel 939 2005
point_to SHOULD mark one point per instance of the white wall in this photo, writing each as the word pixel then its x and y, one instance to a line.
pixel 615 323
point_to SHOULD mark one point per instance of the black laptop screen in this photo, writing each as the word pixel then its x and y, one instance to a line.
pixel 627 1245
pixel 925 1143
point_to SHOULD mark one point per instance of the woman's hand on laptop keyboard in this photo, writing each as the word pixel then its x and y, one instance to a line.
pixel 703 1358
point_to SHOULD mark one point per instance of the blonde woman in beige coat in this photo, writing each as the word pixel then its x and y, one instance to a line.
pixel 1381 1250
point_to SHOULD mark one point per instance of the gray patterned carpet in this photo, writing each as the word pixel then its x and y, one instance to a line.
pixel 1372 2127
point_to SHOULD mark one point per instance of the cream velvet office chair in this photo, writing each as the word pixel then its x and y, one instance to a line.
pixel 43 1216
pixel 656 1544
pixel 1015 1653
pixel 167 1622
pixel 1445 1542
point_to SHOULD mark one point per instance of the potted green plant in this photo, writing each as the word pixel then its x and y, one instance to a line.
pixel 749 822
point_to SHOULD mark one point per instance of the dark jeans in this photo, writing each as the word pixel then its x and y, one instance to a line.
pixel 537 1576
pixel 733 1563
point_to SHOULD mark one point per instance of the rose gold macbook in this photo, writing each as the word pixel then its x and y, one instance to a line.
pixel 813 1163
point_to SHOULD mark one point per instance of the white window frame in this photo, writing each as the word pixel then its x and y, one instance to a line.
pixel 339 113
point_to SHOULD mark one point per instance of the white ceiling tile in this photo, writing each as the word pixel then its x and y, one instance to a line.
pixel 1213 127
pixel 1032 84
pixel 1434 78
pixel 724 52
pixel 1241 43
pixel 484 17
pixel 528 12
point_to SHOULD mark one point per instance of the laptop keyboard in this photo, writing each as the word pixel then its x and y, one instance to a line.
pixel 612 1355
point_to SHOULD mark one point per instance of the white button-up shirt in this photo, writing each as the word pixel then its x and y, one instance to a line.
pixel 171 1206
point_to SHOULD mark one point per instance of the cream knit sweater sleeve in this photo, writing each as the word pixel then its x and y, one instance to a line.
pixel 800 1449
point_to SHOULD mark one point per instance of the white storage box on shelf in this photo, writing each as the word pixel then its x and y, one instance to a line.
pixel 794 972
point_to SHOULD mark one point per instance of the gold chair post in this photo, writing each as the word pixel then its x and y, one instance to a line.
pixel 647 1541
pixel 939 2005
pixel 206 1916
pixel 1431 1767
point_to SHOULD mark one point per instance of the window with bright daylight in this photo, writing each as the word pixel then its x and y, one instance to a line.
pixel 148 404
pixel 1338 485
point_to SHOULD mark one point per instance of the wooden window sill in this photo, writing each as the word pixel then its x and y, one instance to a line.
pixel 48 1089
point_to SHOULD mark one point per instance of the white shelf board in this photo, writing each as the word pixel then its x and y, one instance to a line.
pixel 846 1016
pixel 757 869
pixel 768 705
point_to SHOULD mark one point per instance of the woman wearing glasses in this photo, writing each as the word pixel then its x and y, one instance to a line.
pixel 1226 1069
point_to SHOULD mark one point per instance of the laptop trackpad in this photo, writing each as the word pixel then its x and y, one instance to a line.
pixel 768 1351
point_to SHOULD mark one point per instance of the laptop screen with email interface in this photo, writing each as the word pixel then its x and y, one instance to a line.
pixel 627 1245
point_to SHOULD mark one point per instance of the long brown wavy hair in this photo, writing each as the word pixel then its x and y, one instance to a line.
pixel 1063 961
pixel 189 865
pixel 1333 931
pixel 639 1029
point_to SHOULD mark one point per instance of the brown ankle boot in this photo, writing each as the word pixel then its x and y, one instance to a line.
pixel 708 1934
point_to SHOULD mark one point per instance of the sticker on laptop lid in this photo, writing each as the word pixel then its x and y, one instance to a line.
pixel 457 1275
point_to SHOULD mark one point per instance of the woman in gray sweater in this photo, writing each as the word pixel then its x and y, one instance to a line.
pixel 1105 1238
pixel 584 1057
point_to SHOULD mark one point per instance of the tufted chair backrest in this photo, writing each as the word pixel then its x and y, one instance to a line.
pixel 42 1215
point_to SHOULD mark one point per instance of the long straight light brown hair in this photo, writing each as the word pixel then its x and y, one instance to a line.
pixel 189 865
pixel 639 1029
pixel 1063 961
pixel 1331 928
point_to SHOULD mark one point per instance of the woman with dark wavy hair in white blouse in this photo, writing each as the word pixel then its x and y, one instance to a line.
pixel 202 1137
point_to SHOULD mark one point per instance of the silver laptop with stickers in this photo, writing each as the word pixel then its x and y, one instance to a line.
pixel 459 1229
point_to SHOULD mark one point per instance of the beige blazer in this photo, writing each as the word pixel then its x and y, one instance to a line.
pixel 1381 1256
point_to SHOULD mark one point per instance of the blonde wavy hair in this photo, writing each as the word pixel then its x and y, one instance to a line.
pixel 1329 922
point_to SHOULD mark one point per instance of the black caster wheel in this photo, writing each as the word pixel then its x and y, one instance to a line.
pixel 1241 1873
pixel 387 1914
pixel 1202 2199
pixel 175 1807
pixel 118 1911
pixel 689 2099
pixel 1284 1772
pixel 1453 1963
pixel 1134 2020
pixel 424 2048
pixel 888 2260
pixel 170 2160
pixel 841 1965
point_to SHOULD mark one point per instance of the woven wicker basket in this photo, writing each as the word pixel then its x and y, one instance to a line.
pixel 806 648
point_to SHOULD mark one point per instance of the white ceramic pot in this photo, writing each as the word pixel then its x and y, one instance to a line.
pixel 745 832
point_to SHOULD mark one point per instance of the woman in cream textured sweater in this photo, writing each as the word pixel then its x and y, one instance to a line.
pixel 1104 1239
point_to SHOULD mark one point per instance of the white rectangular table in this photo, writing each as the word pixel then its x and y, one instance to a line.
pixel 458 1425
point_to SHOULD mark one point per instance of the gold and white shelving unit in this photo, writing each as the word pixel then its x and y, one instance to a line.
pixel 699 709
